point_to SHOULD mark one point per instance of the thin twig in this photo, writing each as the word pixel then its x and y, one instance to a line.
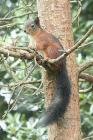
pixel 9 25
pixel 18 8
pixel 86 90
pixel 81 40
pixel 78 13
pixel 11 18
pixel 87 138
pixel 9 104
pixel 16 99
pixel 86 65
pixel 8 68
pixel 38 89
pixel 86 44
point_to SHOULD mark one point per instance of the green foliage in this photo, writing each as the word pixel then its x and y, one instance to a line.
pixel 18 128
pixel 21 123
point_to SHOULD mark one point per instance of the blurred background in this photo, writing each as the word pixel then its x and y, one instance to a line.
pixel 21 98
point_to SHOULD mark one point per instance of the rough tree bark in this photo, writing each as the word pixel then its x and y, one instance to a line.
pixel 55 16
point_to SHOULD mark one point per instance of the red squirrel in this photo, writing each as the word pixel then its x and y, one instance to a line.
pixel 51 46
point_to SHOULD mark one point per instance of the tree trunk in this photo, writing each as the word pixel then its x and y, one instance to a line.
pixel 55 16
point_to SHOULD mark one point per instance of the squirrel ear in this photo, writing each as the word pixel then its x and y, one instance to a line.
pixel 37 22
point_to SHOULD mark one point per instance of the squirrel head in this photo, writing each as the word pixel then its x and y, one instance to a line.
pixel 32 26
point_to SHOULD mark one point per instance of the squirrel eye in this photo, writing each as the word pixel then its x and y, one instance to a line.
pixel 32 25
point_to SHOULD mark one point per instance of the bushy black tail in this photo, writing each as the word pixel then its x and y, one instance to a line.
pixel 60 100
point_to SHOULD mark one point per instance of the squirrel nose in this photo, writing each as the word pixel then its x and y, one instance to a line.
pixel 24 30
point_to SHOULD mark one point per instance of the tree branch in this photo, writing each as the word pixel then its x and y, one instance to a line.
pixel 66 53
pixel 85 66
pixel 20 83
pixel 86 76
pixel 18 53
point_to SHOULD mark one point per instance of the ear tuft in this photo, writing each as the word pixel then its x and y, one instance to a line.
pixel 37 22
